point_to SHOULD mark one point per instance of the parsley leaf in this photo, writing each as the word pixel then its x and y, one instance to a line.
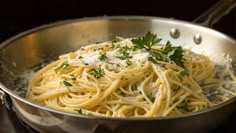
pixel 97 73
pixel 73 77
pixel 66 83
pixel 63 65
pixel 134 88
pixel 124 53
pixel 79 111
pixel 183 73
pixel 116 40
pixel 152 60
pixel 128 62
pixel 172 53
pixel 146 41
pixel 167 53
pixel 185 106
pixel 152 98
pixel 103 57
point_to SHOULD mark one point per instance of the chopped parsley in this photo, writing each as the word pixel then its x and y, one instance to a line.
pixel 134 88
pixel 103 57
pixel 73 77
pixel 128 62
pixel 97 73
pixel 116 40
pixel 66 83
pixel 63 65
pixel 152 98
pixel 183 73
pixel 152 60
pixel 167 53
pixel 185 106
pixel 97 49
pixel 124 54
pixel 80 111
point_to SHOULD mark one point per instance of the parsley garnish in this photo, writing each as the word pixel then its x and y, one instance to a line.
pixel 167 53
pixel 97 49
pixel 124 53
pixel 116 40
pixel 128 62
pixel 185 105
pixel 152 99
pixel 183 73
pixel 171 53
pixel 152 60
pixel 103 57
pixel 134 88
pixel 79 111
pixel 97 73
pixel 66 83
pixel 146 42
pixel 73 77
pixel 63 65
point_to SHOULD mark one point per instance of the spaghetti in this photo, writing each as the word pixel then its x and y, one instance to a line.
pixel 122 78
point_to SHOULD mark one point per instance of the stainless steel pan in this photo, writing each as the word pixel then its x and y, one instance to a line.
pixel 43 44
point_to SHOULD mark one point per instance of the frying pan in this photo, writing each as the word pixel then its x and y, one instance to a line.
pixel 30 49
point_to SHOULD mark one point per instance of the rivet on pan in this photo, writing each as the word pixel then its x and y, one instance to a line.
pixel 174 33
pixel 197 38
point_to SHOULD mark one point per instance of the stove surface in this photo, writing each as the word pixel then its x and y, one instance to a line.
pixel 9 123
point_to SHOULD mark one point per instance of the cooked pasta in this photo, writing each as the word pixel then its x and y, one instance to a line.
pixel 132 77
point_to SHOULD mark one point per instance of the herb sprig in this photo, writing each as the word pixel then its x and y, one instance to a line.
pixel 116 40
pixel 97 73
pixel 80 111
pixel 63 65
pixel 124 54
pixel 66 83
pixel 151 97
pixel 183 73
pixel 167 53
pixel 146 41
pixel 103 57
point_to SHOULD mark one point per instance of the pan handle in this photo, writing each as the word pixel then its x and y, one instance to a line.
pixel 215 13
pixel 6 100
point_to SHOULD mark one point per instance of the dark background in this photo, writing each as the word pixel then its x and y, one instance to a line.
pixel 20 15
